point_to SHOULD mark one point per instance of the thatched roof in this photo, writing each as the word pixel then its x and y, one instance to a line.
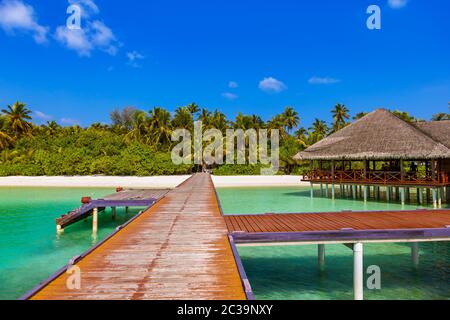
pixel 380 135
pixel 438 130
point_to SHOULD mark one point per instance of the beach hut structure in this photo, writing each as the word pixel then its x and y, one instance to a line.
pixel 382 155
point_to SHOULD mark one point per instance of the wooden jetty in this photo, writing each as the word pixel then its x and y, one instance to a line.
pixel 123 198
pixel 177 249
pixel 183 247
pixel 351 229
pixel 347 226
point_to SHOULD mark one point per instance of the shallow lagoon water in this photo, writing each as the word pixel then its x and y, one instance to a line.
pixel 30 250
pixel 291 272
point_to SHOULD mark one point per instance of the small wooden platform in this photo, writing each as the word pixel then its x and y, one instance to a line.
pixel 125 198
pixel 418 225
pixel 177 249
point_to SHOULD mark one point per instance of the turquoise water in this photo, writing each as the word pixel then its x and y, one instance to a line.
pixel 291 200
pixel 291 272
pixel 30 250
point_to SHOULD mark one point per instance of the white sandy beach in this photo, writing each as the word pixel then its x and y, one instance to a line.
pixel 147 182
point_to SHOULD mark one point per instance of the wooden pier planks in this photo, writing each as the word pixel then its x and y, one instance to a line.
pixel 177 249
pixel 304 222
pixel 126 198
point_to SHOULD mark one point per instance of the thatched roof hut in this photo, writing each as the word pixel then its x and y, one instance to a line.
pixel 381 135
pixel 438 130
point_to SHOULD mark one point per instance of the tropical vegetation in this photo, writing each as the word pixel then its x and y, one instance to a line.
pixel 136 142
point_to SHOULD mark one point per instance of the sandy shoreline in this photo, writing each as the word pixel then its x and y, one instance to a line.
pixel 147 182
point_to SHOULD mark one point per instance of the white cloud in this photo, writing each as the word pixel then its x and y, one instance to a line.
pixel 397 4
pixel 93 35
pixel 133 58
pixel 16 15
pixel 96 35
pixel 42 115
pixel 104 38
pixel 233 85
pixel 272 85
pixel 323 80
pixel 230 96
pixel 76 39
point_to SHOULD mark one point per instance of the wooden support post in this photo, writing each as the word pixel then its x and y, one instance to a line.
pixel 435 204
pixel 321 256
pixel 321 189
pixel 428 195
pixel 326 190
pixel 113 213
pixel 358 273
pixel 365 193
pixel 95 221
pixel 440 190
pixel 378 193
pixel 402 196
pixel 415 254
pixel 127 209
pixel 402 171
pixel 447 195
pixel 408 194
pixel 312 190
pixel 354 191
pixel 397 193
pixel 388 194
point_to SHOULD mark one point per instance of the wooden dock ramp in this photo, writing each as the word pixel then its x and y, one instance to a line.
pixel 177 249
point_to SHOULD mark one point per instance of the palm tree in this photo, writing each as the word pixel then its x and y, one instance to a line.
pixel 138 128
pixel 278 123
pixel 160 127
pixel 16 117
pixel 183 119
pixel 193 108
pixel 258 123
pixel 319 130
pixel 340 116
pixel 243 122
pixel 52 128
pixel 219 121
pixel 205 118
pixel 290 118
pixel 5 140
pixel 301 136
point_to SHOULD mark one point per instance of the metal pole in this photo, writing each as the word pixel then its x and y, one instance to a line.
pixel 358 277
pixel 434 198
pixel 415 254
pixel 95 220
pixel 321 256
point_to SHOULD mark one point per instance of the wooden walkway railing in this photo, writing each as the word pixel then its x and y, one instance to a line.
pixel 177 249
pixel 377 177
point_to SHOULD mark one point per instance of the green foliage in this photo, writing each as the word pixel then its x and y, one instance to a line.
pixel 89 152
pixel 238 170
pixel 138 143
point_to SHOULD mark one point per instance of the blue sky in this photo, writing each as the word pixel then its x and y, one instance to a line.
pixel 235 55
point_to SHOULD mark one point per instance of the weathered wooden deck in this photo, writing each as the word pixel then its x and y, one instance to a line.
pixel 417 225
pixel 177 249
pixel 125 198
